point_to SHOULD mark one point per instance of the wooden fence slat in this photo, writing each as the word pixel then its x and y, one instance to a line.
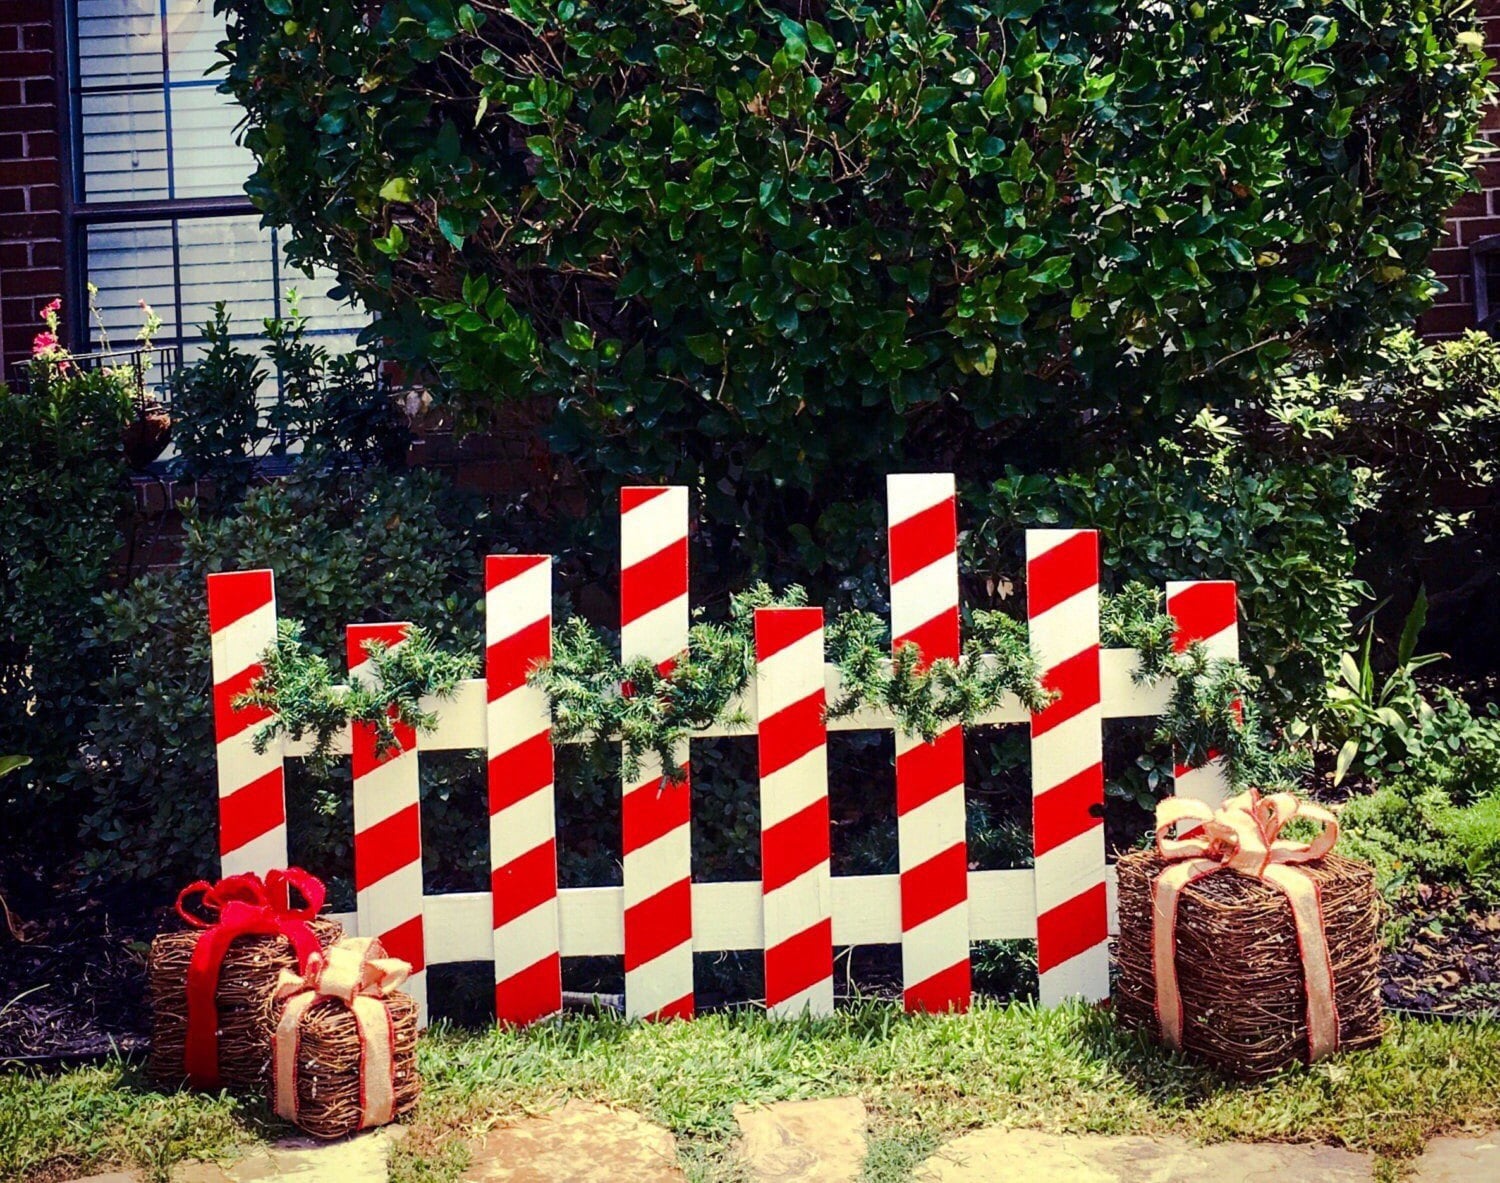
pixel 1205 610
pixel 655 813
pixel 252 801
pixel 794 836
pixel 388 828
pixel 523 817
pixel 1067 767
pixel 930 818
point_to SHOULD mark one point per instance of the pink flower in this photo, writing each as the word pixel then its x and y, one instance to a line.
pixel 51 309
pixel 43 343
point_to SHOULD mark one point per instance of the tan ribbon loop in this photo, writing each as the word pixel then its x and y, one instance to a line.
pixel 1244 836
pixel 356 973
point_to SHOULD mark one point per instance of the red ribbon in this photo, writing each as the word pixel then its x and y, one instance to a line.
pixel 243 905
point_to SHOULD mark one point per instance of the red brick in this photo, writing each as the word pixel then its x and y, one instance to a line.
pixel 43 282
pixel 12 146
pixel 10 90
pixel 1470 205
pixel 33 225
pixel 1449 261
pixel 12 201
pixel 41 90
pixel 38 36
pixel 32 172
pixel 35 63
pixel 41 198
pixel 46 253
pixel 29 118
pixel 44 144
pixel 1446 321
pixel 14 255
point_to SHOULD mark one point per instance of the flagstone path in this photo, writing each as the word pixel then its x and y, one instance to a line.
pixel 823 1141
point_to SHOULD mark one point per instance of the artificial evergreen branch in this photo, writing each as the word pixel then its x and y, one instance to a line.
pixel 296 685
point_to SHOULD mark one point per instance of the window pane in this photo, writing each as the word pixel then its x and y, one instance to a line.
pixel 207 161
pixel 119 43
pixel 124 146
pixel 227 259
pixel 129 264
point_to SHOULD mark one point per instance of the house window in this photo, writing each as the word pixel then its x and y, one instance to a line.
pixel 159 211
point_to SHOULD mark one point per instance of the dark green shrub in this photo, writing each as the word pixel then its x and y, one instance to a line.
pixel 64 504
pixel 344 548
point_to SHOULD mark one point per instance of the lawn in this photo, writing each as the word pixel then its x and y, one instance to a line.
pixel 924 1079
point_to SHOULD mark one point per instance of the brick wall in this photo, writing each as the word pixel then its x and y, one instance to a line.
pixel 1475 216
pixel 30 175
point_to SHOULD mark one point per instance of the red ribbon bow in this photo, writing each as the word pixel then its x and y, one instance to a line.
pixel 239 905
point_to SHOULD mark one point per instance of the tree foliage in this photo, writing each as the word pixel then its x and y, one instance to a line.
pixel 817 226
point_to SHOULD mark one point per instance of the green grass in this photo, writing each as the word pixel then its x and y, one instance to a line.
pixel 924 1079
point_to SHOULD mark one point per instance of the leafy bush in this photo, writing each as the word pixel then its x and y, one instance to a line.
pixel 63 508
pixel 348 547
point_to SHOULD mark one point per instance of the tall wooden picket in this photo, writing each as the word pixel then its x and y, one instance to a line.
pixel 656 812
pixel 388 827
pixel 1205 610
pixel 930 819
pixel 252 804
pixel 794 844
pixel 523 821
pixel 1067 757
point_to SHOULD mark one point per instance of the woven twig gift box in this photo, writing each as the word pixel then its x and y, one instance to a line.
pixel 344 1049
pixel 1244 949
pixel 210 984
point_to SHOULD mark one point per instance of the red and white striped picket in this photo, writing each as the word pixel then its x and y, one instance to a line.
pixel 1067 762
pixel 388 826
pixel 252 804
pixel 797 912
pixel 931 824
pixel 655 812
pixel 794 835
pixel 1205 610
pixel 523 819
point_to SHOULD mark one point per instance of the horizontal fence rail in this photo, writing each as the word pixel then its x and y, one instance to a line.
pixel 934 907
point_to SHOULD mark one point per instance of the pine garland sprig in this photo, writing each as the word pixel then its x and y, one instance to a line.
pixel 297 686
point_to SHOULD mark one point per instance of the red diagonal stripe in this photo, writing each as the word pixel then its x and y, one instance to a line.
pixel 658 924
pixel 233 595
pixel 791 733
pixel 799 962
pixel 1069 809
pixel 1071 928
pixel 388 846
pixel 500 569
pixel 524 883
pixel 507 662
pixel 929 770
pixel 794 845
pixel 778 628
pixel 520 771
pixel 229 722
pixel 407 942
pixel 936 638
pixel 932 888
pixel 530 994
pixel 1202 610
pixel 923 539
pixel 1076 679
pixel 653 810
pixel 634 496
pixel 654 581
pixel 363 760
pixel 1062 572
pixel 681 1009
pixel 947 990
pixel 357 636
pixel 249 812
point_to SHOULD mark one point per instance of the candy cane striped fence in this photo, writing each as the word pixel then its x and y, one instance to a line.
pixel 934 907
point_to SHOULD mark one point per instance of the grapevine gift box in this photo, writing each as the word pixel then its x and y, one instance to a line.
pixel 344 1052
pixel 1244 948
pixel 210 985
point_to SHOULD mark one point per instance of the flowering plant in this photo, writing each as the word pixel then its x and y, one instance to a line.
pixel 54 371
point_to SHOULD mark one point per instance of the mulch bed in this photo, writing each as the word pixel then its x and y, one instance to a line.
pixel 1449 965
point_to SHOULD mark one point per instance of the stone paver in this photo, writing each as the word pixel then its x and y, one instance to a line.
pixel 112 1177
pixel 360 1159
pixel 1460 1160
pixel 1025 1155
pixel 803 1141
pixel 580 1143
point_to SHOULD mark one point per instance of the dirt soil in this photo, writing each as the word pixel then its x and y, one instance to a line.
pixel 1448 965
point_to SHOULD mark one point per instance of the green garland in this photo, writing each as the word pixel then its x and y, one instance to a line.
pixel 596 697
pixel 297 686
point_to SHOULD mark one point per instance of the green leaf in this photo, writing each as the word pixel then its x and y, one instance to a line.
pixel 708 346
pixel 1345 759
pixel 11 763
pixel 398 189
pixel 994 94
pixel 1415 620
pixel 818 36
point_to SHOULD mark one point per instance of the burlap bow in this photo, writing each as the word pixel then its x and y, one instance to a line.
pixel 357 974
pixel 1244 836
pixel 236 906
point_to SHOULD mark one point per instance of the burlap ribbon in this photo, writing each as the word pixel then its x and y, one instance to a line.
pixel 1244 836
pixel 357 974
pixel 238 905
